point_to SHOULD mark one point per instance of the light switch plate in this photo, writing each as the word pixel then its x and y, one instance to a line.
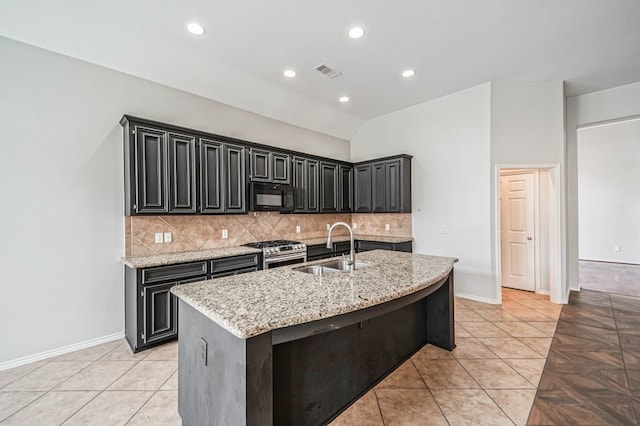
pixel 159 238
pixel 225 233
pixel 297 229
pixel 328 226
pixel 387 227
pixel 167 237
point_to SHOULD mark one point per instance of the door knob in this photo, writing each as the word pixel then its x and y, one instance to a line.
pixel 529 238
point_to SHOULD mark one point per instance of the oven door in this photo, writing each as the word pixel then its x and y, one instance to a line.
pixel 291 259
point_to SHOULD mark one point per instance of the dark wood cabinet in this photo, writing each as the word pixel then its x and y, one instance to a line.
pixel 211 177
pixel 305 183
pixel 234 175
pixel 328 187
pixel 182 173
pixel 383 186
pixel 267 166
pixel 343 248
pixel 405 246
pixel 149 151
pixel 345 187
pixel 151 311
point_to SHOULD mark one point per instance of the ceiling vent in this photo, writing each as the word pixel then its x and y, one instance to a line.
pixel 329 72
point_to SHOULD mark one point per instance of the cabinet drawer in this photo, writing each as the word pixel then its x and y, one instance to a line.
pixel 374 245
pixel 318 251
pixel 173 272
pixel 235 272
pixel 233 263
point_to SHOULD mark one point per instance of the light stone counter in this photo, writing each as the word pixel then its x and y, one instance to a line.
pixel 187 256
pixel 251 304
pixel 339 238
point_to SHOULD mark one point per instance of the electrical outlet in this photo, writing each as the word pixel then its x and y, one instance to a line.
pixel 167 237
pixel 617 248
pixel 387 227
pixel 355 225
pixel 159 238
pixel 297 229
pixel 225 233
pixel 328 226
pixel 445 229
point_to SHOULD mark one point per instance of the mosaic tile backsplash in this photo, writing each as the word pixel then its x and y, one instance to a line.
pixel 205 232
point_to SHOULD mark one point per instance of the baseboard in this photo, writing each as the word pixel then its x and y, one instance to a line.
pixel 477 298
pixel 545 292
pixel 60 351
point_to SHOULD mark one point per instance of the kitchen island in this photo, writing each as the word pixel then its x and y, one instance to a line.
pixel 285 347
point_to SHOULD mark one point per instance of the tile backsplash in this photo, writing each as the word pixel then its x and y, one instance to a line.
pixel 205 232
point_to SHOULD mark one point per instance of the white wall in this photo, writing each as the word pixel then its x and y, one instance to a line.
pixel 608 192
pixel 61 186
pixel 619 102
pixel 449 139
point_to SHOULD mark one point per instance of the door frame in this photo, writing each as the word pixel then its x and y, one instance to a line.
pixel 555 284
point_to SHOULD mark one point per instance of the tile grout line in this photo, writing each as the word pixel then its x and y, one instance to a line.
pixel 429 390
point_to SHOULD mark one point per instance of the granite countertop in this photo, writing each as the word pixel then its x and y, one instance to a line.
pixel 339 238
pixel 187 256
pixel 247 305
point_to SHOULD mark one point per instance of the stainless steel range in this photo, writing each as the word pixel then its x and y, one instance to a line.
pixel 281 252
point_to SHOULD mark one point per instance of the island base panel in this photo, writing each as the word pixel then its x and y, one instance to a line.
pixel 440 316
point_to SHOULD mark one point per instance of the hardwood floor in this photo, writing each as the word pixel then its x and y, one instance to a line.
pixel 592 373
pixel 618 278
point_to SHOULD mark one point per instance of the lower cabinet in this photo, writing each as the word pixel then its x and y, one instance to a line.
pixel 151 311
pixel 406 246
pixel 343 248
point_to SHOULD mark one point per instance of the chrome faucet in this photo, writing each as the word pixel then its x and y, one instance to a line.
pixel 352 255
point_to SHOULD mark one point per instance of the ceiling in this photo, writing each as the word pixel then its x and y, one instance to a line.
pixel 452 45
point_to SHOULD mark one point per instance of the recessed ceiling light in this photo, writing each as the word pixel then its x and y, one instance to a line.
pixel 356 32
pixel 344 99
pixel 195 28
pixel 289 73
pixel 408 73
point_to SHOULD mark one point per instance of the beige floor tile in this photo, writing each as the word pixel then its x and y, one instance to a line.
pixel 550 313
pixel 508 304
pixel 47 377
pixel 92 353
pixel 404 377
pixel 52 408
pixel 472 304
pixel 444 373
pixel 520 329
pixel 483 329
pixel 530 369
pixel 111 408
pixel 548 327
pixel 429 351
pixel 166 352
pixel 538 344
pixel 510 347
pixel 97 376
pixel 519 294
pixel 12 374
pixel 145 375
pixel 516 403
pixel 10 402
pixel 124 353
pixel 496 315
pixel 466 315
pixel 495 374
pixel 161 409
pixel 469 407
pixel 364 412
pixel 526 314
pixel 461 332
pixel 409 407
pixel 471 348
pixel 171 383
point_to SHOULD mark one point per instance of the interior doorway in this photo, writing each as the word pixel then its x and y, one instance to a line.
pixel 528 245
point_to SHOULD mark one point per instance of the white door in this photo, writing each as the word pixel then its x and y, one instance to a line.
pixel 517 230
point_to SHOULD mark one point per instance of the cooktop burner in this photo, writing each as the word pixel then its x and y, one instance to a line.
pixel 274 243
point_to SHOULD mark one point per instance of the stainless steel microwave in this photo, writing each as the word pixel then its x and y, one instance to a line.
pixel 270 197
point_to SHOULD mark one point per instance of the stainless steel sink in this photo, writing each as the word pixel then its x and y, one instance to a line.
pixel 316 270
pixel 343 265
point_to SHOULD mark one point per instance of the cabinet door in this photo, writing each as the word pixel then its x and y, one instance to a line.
pixel 346 189
pixel 299 183
pixel 151 196
pixel 313 185
pixel 394 186
pixel 160 314
pixel 260 165
pixel 280 168
pixel 211 181
pixel 234 178
pixel 182 173
pixel 362 189
pixel 328 187
pixel 379 187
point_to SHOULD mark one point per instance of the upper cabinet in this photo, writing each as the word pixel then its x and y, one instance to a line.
pixel 222 182
pixel 345 188
pixel 267 166
pixel 383 186
pixel 306 184
pixel 328 187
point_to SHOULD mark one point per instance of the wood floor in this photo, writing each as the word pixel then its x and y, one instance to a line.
pixel 592 373
pixel 618 278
